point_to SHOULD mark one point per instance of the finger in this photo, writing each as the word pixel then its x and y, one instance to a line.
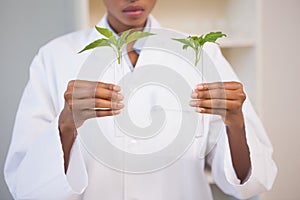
pixel 233 85
pixel 107 113
pixel 83 93
pixel 209 94
pixel 102 103
pixel 80 89
pixel 215 104
pixel 92 104
pixel 221 112
pixel 84 115
pixel 80 93
pixel 93 84
pixel 218 94
pixel 108 86
pixel 108 94
pixel 101 113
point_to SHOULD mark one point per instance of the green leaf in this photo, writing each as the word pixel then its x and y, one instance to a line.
pixel 137 35
pixel 213 36
pixel 197 42
pixel 122 38
pixel 187 42
pixel 201 40
pixel 97 43
pixel 184 41
pixel 185 46
pixel 113 40
pixel 104 31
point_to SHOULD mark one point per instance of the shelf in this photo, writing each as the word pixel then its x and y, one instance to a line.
pixel 242 43
pixel 236 18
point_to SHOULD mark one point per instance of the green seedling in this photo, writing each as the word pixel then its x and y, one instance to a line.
pixel 197 42
pixel 116 43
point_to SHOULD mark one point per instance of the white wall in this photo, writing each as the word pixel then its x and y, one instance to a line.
pixel 25 26
pixel 280 91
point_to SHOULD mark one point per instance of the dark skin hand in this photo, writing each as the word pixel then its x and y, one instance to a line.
pixel 85 100
pixel 226 99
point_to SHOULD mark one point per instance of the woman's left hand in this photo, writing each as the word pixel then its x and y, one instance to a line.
pixel 222 98
pixel 226 99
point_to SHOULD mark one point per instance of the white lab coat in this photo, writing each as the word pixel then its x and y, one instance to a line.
pixel 34 167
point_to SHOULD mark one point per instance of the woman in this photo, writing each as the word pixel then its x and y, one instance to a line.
pixel 46 161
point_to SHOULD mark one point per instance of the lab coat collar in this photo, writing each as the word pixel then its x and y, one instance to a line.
pixel 150 25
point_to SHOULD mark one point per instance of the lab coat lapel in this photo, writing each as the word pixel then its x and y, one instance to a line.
pixel 153 25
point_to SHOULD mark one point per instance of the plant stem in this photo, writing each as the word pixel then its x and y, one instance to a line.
pixel 197 52
pixel 119 53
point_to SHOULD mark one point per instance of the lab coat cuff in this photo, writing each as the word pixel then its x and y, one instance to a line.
pixel 263 168
pixel 77 174
pixel 260 176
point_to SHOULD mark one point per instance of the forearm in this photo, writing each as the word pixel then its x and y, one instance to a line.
pixel 67 133
pixel 238 148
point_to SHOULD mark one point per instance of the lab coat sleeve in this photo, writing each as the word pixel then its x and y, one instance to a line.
pixel 34 168
pixel 263 169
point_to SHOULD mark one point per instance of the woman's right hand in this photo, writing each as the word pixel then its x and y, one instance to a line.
pixel 85 100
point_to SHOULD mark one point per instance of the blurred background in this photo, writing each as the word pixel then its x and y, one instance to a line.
pixel 263 47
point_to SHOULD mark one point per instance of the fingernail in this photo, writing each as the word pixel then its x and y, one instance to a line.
pixel 120 105
pixel 193 103
pixel 120 96
pixel 194 95
pixel 200 87
pixel 116 112
pixel 116 88
pixel 200 110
